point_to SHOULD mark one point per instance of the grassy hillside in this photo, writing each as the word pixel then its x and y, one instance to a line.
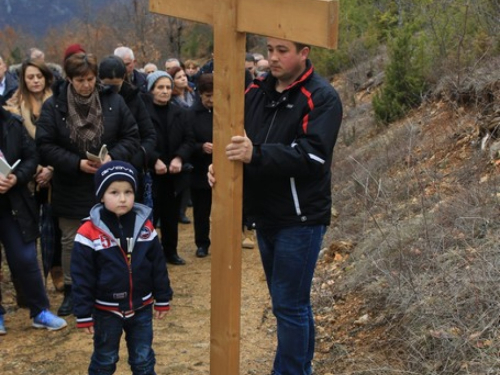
pixel 408 281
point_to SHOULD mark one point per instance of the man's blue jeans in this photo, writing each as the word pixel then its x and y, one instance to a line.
pixel 289 258
pixel 108 329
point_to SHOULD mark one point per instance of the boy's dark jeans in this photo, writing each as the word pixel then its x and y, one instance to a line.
pixel 108 328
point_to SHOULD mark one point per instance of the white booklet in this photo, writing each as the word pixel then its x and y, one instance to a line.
pixel 6 168
pixel 98 158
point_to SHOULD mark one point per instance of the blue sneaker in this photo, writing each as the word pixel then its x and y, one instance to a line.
pixel 2 326
pixel 48 320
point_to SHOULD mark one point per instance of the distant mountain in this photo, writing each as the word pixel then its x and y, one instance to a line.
pixel 37 16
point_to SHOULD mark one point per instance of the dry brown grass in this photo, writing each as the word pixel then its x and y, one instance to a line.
pixel 418 293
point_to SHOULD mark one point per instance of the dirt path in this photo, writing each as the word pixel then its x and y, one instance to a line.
pixel 182 340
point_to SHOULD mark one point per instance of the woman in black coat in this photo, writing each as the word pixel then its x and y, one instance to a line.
pixel 112 73
pixel 19 220
pixel 201 193
pixel 81 117
pixel 173 149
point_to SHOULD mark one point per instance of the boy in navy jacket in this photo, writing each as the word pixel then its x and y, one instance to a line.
pixel 119 273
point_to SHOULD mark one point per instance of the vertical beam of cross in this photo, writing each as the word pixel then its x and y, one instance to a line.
pixel 229 78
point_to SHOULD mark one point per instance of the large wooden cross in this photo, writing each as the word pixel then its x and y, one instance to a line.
pixel 313 22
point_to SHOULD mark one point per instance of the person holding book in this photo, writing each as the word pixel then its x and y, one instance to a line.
pixel 81 117
pixel 35 80
pixel 19 220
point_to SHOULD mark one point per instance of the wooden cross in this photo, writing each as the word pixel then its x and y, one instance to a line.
pixel 313 22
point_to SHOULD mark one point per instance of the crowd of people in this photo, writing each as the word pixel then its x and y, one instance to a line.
pixel 116 151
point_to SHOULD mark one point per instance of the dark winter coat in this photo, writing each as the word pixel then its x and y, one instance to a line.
pixel 174 137
pixel 73 189
pixel 140 81
pixel 288 181
pixel 202 125
pixel 147 133
pixel 16 144
pixel 11 86
pixel 107 277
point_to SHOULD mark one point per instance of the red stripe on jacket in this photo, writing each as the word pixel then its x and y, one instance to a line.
pixel 305 120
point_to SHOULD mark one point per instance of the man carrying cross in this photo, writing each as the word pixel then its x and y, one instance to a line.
pixel 314 22
pixel 292 119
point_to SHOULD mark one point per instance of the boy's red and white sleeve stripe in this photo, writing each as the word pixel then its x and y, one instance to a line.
pixel 162 306
pixel 84 322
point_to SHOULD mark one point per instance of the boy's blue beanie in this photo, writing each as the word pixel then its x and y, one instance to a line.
pixel 114 170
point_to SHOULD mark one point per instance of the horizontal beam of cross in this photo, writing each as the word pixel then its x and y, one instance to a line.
pixel 315 25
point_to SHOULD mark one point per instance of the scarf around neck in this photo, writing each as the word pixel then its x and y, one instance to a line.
pixel 85 119
pixel 28 108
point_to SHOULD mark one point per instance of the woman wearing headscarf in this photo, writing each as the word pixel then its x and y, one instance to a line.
pixel 81 117
pixel 173 148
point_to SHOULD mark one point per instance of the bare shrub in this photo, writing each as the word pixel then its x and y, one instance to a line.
pixel 421 203
pixel 474 88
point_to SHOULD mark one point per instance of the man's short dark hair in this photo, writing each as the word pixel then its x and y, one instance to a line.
pixel 112 67
pixel 301 46
pixel 249 57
